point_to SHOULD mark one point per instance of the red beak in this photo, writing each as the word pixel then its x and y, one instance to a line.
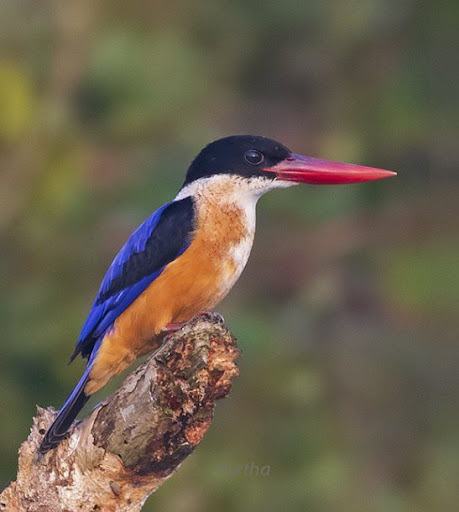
pixel 305 169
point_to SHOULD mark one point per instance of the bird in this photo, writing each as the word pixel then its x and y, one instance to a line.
pixel 186 256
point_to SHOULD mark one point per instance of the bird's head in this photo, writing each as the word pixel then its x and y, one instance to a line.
pixel 259 164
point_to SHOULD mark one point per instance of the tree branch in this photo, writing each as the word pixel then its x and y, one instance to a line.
pixel 134 440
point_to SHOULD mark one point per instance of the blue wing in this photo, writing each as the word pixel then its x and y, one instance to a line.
pixel 159 240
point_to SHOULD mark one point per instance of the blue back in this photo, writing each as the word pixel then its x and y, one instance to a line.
pixel 164 236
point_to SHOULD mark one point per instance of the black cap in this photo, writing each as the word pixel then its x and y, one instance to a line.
pixel 244 155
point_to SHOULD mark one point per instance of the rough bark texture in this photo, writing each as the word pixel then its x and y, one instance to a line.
pixel 134 440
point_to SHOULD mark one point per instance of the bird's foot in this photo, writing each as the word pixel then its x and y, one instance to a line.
pixel 173 327
pixel 211 316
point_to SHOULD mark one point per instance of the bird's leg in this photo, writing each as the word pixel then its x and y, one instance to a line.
pixel 173 327
pixel 205 315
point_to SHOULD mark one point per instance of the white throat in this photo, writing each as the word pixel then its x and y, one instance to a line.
pixel 231 188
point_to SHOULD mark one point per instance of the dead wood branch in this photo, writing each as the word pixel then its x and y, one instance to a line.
pixel 134 440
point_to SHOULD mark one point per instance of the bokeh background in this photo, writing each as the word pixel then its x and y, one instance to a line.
pixel 347 313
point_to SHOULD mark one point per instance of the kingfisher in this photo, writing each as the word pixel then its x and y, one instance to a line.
pixel 187 256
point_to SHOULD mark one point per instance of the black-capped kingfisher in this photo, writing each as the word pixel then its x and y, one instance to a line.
pixel 187 256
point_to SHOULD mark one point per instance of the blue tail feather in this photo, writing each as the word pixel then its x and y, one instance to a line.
pixel 69 411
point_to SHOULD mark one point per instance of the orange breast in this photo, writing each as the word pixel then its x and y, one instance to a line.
pixel 196 280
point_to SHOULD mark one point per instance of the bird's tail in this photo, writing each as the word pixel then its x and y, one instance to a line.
pixel 68 412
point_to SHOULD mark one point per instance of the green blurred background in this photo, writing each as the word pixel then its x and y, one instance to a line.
pixel 347 313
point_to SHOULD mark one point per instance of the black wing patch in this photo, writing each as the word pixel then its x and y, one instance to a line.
pixel 167 241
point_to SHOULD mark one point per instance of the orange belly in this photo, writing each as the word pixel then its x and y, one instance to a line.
pixel 196 280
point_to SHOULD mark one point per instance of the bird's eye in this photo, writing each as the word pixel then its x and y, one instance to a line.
pixel 254 157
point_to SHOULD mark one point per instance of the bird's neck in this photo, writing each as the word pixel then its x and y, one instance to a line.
pixel 223 195
pixel 225 209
